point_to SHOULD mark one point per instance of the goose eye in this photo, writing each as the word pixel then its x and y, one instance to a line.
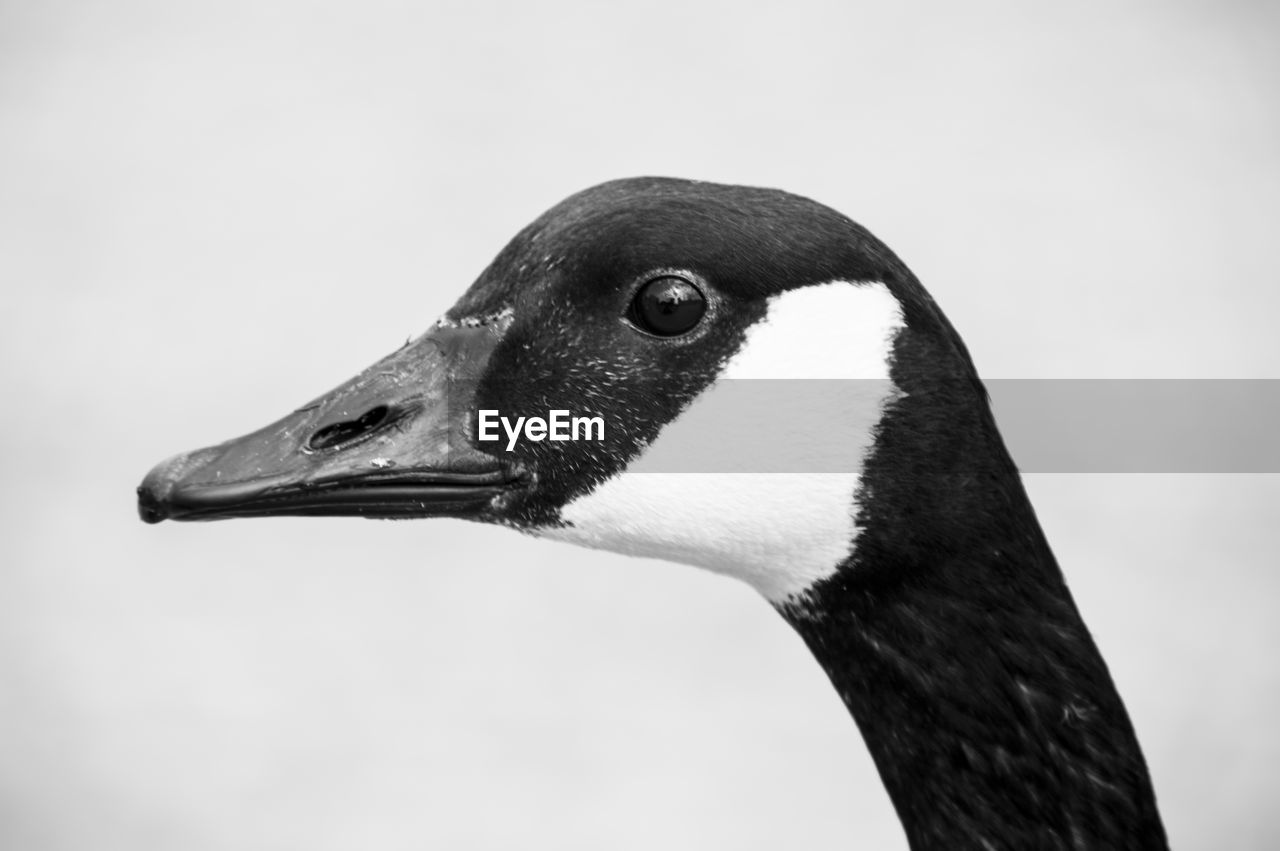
pixel 667 306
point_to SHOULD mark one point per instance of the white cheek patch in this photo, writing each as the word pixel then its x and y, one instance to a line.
pixel 779 531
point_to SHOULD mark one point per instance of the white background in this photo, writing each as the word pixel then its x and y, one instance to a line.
pixel 210 213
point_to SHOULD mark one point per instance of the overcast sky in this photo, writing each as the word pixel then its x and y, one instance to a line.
pixel 210 213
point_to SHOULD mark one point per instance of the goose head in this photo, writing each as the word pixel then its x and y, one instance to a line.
pixel 655 316
pixel 612 380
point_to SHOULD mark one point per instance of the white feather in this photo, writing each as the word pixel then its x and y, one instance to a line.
pixel 779 531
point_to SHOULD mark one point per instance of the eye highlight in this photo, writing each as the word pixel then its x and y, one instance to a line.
pixel 667 306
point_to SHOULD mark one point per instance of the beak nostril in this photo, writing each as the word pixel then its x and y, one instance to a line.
pixel 340 434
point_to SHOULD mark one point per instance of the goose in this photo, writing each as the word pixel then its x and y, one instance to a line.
pixel 560 397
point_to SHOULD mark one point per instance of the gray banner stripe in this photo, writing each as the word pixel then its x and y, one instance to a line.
pixel 1140 425
pixel 1049 425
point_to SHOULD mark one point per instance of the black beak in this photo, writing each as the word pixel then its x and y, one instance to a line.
pixel 392 442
